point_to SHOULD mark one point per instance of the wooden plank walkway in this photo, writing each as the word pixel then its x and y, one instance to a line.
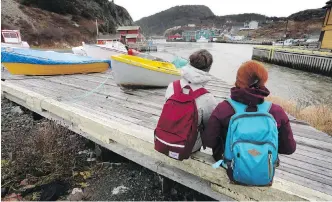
pixel 123 120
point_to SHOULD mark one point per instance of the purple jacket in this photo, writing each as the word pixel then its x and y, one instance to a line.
pixel 215 132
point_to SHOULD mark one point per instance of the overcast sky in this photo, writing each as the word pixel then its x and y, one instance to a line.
pixel 281 8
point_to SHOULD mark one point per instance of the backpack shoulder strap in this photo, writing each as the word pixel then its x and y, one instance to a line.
pixel 264 107
pixel 237 106
pixel 199 92
pixel 177 87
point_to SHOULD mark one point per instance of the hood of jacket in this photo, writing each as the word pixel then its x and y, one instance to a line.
pixel 249 96
pixel 195 76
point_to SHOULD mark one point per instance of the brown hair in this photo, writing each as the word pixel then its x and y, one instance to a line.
pixel 201 60
pixel 251 74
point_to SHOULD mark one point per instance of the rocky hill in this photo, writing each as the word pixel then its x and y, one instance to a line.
pixel 302 23
pixel 176 16
pixel 309 14
pixel 62 23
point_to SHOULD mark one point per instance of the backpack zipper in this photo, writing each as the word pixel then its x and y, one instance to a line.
pixel 270 165
pixel 252 142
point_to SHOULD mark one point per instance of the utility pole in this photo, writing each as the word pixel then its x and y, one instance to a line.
pixel 97 28
pixel 285 35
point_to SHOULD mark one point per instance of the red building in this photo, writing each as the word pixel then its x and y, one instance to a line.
pixel 174 37
pixel 130 34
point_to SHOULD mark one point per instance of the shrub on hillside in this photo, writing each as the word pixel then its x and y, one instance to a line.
pixel 52 33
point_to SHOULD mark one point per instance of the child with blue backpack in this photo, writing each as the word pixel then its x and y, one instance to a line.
pixel 246 133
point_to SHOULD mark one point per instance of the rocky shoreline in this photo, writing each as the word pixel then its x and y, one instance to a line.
pixel 43 161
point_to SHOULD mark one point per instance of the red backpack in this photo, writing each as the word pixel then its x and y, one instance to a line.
pixel 177 128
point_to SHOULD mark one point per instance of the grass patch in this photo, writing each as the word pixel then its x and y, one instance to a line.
pixel 318 116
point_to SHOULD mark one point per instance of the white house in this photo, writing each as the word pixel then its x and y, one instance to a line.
pixel 251 25
pixel 191 25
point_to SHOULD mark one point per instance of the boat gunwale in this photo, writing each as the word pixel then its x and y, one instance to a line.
pixel 118 58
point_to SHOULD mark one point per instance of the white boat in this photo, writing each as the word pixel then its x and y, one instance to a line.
pixel 133 71
pixel 100 51
pixel 12 38
pixel 79 51
pixel 202 40
pixel 287 42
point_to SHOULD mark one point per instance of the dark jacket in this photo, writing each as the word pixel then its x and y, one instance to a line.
pixel 215 132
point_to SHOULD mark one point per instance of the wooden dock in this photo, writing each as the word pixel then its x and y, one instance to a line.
pixel 306 60
pixel 123 121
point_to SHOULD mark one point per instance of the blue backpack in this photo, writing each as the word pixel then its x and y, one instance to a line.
pixel 251 148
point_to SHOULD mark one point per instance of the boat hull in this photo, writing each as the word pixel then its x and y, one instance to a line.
pixel 133 76
pixel 36 62
pixel 133 71
pixel 101 52
pixel 60 69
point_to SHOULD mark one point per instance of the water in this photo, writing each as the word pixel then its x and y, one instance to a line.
pixel 305 88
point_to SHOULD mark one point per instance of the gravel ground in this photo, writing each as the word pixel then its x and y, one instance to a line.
pixel 40 154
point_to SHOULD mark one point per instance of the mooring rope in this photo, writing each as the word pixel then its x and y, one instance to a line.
pixel 90 92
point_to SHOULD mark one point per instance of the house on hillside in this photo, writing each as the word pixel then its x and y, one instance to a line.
pixel 250 25
pixel 130 34
pixel 326 34
pixel 235 28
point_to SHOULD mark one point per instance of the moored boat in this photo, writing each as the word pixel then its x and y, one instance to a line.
pixel 104 51
pixel 202 40
pixel 35 62
pixel 12 38
pixel 133 71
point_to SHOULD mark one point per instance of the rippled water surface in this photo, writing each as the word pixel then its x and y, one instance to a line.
pixel 305 88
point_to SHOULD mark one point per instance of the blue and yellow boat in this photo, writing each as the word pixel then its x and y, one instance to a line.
pixel 36 62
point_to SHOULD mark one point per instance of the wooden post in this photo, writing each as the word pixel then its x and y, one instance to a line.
pixel 97 28
pixel 166 184
pixel 285 35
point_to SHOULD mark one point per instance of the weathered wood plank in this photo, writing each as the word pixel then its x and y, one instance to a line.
pixel 311 133
pixel 324 163
pixel 314 143
pixel 306 166
pixel 314 176
pixel 305 182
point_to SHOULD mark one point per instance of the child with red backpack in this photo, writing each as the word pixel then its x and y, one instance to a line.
pixel 187 109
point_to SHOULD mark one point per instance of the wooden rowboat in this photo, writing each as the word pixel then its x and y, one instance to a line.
pixel 35 62
pixel 133 71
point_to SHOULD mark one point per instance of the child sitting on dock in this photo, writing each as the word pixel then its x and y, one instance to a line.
pixel 248 132
pixel 187 109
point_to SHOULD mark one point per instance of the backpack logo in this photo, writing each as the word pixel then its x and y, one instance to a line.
pixel 254 152
pixel 173 155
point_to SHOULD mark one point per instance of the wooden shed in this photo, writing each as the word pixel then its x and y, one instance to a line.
pixel 326 34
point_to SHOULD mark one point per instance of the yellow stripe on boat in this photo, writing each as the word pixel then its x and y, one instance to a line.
pixel 164 67
pixel 42 70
